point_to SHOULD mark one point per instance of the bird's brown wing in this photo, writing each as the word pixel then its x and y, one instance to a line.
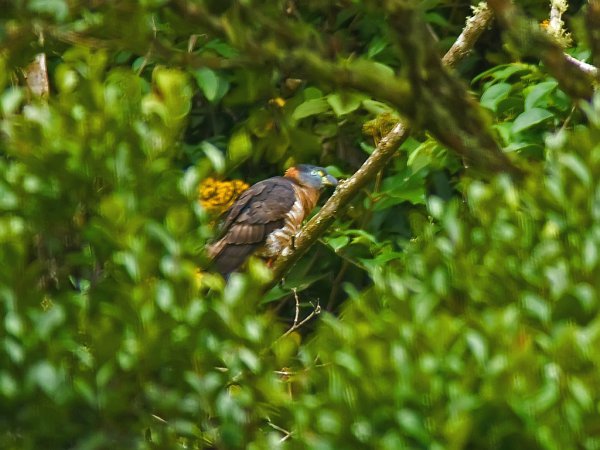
pixel 257 213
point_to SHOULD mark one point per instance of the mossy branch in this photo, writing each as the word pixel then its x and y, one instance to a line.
pixel 426 94
pixel 387 147
pixel 443 104
pixel 592 23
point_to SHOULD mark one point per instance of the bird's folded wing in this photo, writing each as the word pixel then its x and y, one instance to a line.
pixel 258 212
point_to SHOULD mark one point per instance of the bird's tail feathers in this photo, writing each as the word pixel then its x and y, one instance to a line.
pixel 228 258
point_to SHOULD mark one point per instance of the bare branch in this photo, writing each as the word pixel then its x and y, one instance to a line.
pixel 295 291
pixel 315 312
pixel 286 434
pixel 160 419
pixel 591 71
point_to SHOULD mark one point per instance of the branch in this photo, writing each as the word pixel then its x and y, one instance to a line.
pixel 315 312
pixel 592 25
pixel 436 99
pixel 588 69
pixel 36 76
pixel 445 107
pixel 529 39
pixel 362 75
pixel 556 26
pixel 386 148
pixel 476 25
pixel 286 434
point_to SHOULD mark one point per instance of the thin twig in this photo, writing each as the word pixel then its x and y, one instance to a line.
pixel 160 419
pixel 568 119
pixel 315 312
pixel 336 284
pixel 297 314
pixel 285 373
pixel 287 434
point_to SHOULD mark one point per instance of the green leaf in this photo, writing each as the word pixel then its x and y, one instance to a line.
pixel 344 103
pixel 337 243
pixel 376 46
pixel 240 145
pixel 477 345
pixel 530 118
pixel 165 296
pixel 538 95
pixel 214 155
pixel 578 167
pixel 503 72
pixel 581 393
pixel 523 147
pixel 375 107
pixel 494 95
pixel 277 144
pixel 536 307
pixel 208 81
pixel 310 108
pixel 11 100
pixel 222 48
pixel 312 93
pixel 58 8
pixel 45 376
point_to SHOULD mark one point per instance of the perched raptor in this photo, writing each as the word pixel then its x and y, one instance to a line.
pixel 266 217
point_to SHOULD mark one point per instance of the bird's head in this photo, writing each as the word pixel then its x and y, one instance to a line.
pixel 311 176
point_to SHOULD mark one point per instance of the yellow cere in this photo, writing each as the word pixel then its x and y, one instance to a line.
pixel 216 196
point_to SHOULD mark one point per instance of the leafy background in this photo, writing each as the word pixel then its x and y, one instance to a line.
pixel 456 312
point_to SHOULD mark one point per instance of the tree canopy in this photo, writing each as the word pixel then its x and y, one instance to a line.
pixel 445 297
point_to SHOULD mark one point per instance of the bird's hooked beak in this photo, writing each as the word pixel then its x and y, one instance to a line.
pixel 329 180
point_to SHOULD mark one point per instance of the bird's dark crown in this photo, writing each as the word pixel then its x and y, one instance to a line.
pixel 311 176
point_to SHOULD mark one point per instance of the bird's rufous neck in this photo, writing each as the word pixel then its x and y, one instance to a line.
pixel 292 173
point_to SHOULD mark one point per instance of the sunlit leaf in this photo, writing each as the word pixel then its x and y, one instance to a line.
pixel 530 118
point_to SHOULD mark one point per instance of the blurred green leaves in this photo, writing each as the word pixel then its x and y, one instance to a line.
pixel 457 313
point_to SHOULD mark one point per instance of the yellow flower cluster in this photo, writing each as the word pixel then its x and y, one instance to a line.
pixel 216 196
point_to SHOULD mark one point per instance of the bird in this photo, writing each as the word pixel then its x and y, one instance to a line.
pixel 265 219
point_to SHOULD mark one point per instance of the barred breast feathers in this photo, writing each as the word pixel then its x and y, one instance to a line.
pixel 279 241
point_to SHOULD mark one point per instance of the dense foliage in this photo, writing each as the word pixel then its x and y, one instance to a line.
pixel 458 307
